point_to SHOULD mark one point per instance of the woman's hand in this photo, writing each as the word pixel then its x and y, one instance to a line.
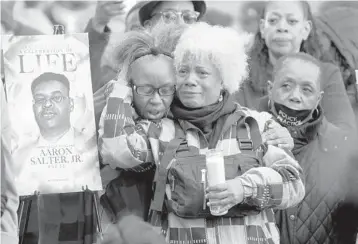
pixel 225 195
pixel 279 136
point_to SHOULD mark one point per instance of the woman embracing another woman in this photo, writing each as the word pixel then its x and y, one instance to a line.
pixel 260 173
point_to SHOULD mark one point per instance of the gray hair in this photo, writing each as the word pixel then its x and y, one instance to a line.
pixel 223 46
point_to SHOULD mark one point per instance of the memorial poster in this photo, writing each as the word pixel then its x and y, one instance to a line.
pixel 50 102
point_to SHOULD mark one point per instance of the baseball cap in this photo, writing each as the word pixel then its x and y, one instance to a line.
pixel 146 10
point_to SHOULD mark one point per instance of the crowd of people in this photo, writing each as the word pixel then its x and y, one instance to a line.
pixel 280 106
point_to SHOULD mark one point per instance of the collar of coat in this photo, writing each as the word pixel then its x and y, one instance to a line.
pixel 304 133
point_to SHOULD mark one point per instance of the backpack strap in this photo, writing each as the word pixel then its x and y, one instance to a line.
pixel 248 134
pixel 162 171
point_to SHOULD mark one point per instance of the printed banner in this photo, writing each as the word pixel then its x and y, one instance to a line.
pixel 50 101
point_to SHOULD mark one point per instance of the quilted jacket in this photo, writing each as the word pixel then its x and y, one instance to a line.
pixel 322 150
pixel 277 185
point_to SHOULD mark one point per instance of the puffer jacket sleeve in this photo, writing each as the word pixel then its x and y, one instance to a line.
pixel 279 183
pixel 9 196
pixel 123 143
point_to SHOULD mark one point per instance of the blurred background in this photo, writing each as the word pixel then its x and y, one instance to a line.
pixel 36 17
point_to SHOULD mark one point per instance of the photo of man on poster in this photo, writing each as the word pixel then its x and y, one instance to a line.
pixel 52 107
pixel 59 147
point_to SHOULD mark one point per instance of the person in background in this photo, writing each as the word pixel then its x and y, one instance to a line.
pixel 337 27
pixel 9 196
pixel 98 35
pixel 102 71
pixel 323 150
pixel 288 27
pixel 338 31
pixel 11 26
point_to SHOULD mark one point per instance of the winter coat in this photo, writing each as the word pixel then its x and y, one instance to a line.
pixel 323 151
pixel 138 145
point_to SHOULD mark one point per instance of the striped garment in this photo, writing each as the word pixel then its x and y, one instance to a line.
pixel 126 145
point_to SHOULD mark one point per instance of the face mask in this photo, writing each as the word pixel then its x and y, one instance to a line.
pixel 290 117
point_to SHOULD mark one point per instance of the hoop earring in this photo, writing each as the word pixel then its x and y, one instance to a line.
pixel 317 111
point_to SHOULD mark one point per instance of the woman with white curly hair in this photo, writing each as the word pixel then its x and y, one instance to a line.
pixel 210 64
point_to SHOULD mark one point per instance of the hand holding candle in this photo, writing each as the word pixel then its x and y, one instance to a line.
pixel 216 176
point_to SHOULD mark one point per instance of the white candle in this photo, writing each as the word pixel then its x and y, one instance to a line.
pixel 215 167
pixel 216 175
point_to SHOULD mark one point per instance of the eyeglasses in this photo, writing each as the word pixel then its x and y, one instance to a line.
pixel 170 16
pixel 149 90
pixel 53 99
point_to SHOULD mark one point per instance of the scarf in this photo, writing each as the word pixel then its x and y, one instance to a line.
pixel 209 119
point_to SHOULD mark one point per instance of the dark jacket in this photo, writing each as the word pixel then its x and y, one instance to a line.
pixel 101 75
pixel 97 45
pixel 335 102
pixel 340 25
pixel 323 152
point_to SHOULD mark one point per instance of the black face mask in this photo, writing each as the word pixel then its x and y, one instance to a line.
pixel 290 117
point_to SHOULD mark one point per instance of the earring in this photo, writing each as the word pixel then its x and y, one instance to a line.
pixel 221 97
pixel 317 111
